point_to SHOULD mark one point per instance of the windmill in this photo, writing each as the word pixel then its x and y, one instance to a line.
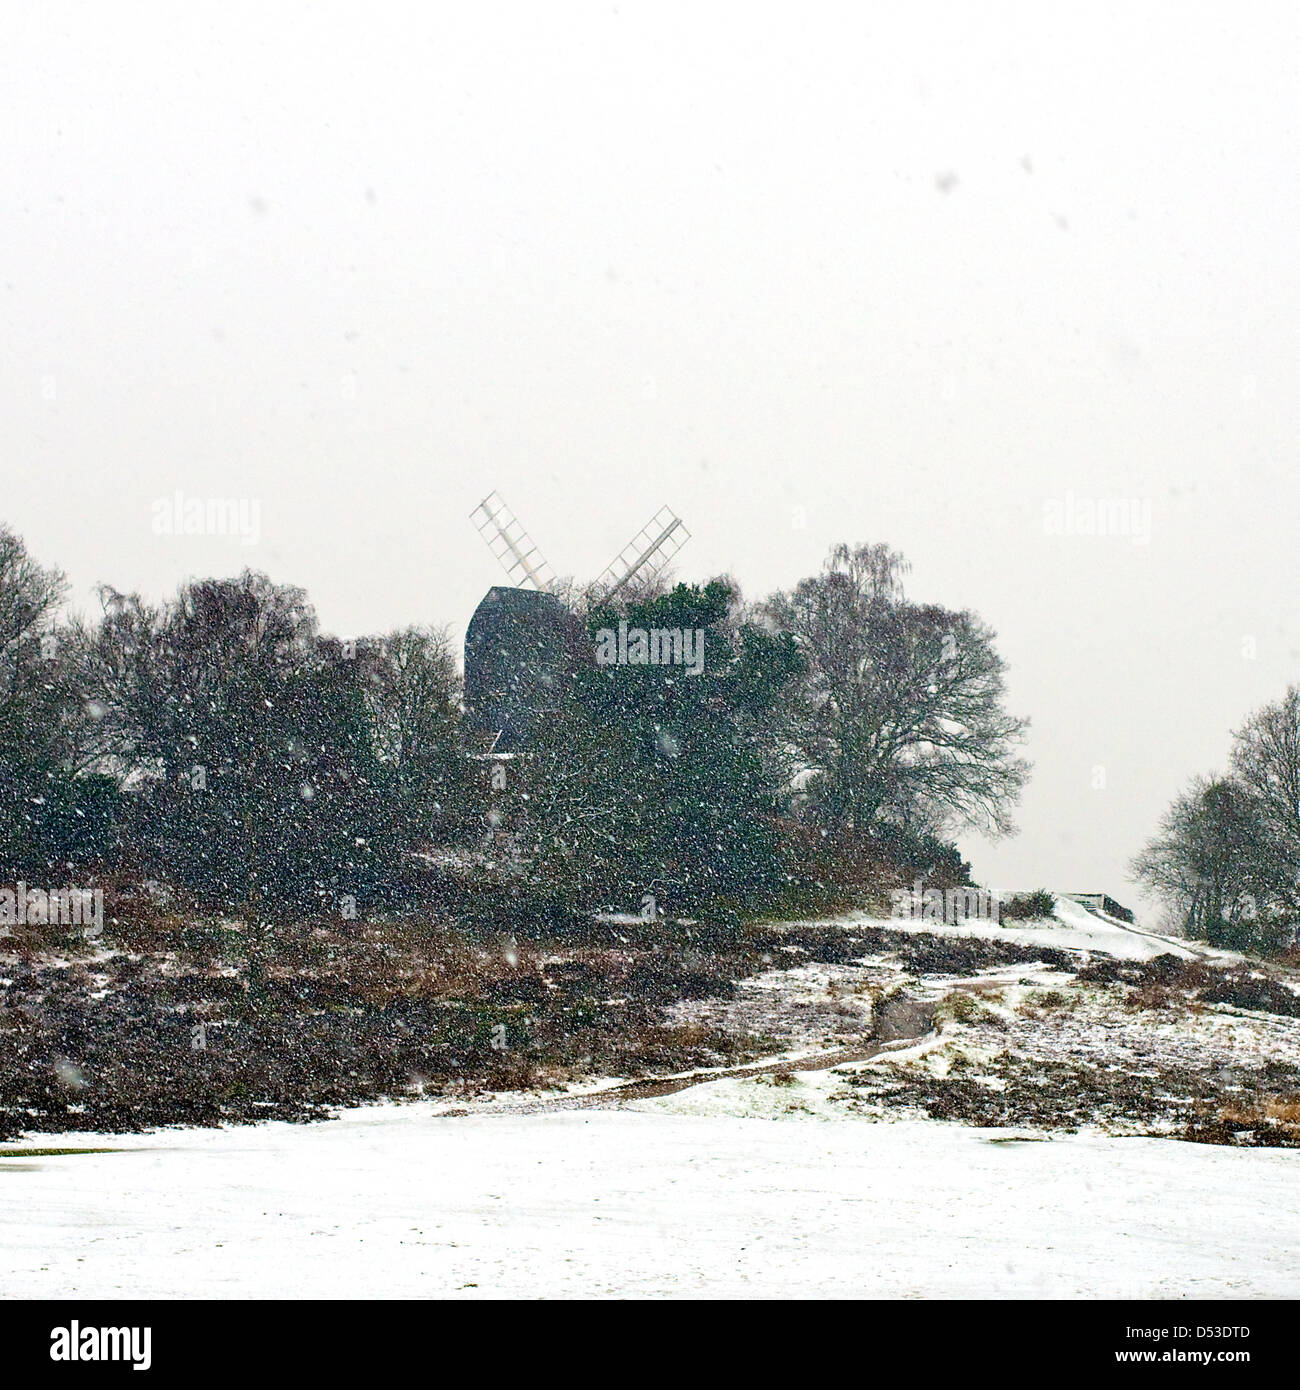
pixel 523 638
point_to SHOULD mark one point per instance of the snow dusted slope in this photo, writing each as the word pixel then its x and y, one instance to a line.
pixel 1072 927
pixel 1115 938
pixel 392 1201
pixel 757 1187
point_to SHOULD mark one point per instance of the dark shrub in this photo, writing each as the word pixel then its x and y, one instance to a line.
pixel 1026 906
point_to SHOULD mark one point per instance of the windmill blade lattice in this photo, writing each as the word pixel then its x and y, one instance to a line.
pixel 511 544
pixel 653 546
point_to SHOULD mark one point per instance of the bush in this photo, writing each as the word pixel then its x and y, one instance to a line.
pixel 1028 906
pixel 959 1007
pixel 1045 1001
pixel 61 823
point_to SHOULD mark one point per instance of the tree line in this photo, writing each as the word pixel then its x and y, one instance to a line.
pixel 1226 857
pixel 219 741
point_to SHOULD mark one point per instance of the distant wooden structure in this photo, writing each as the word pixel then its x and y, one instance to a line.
pixel 1101 902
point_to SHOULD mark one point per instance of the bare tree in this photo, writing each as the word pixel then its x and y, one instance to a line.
pixel 30 598
pixel 413 693
pixel 1207 862
pixel 899 715
pixel 1266 760
pixel 44 720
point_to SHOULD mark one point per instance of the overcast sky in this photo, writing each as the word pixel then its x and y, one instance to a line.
pixel 939 276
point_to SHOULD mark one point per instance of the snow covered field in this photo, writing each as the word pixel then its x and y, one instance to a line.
pixel 761 1186
pixel 391 1201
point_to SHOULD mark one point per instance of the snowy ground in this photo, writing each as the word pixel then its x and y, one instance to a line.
pixel 1072 927
pixel 391 1201
pixel 754 1186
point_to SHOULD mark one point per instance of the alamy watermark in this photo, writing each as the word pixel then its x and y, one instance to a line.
pixel 179 515
pixel 92 1343
pixel 950 905
pixel 1098 516
pixel 656 646
pixel 22 906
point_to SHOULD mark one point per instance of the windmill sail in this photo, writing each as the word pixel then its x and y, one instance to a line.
pixel 511 544
pixel 653 546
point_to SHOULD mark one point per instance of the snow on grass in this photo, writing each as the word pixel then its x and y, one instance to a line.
pixel 762 1186
pixel 1071 927
pixel 390 1201
pixel 797 1095
pixel 805 1007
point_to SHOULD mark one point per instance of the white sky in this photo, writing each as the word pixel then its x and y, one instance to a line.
pixel 916 270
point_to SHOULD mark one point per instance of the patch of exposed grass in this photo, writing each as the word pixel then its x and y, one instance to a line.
pixel 1268 1122
pixel 1039 1003
pixel 1168 982
pixel 959 1007
pixel 52 1153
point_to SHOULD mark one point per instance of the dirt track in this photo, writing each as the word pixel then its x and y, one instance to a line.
pixel 670 1085
pixel 902 1023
